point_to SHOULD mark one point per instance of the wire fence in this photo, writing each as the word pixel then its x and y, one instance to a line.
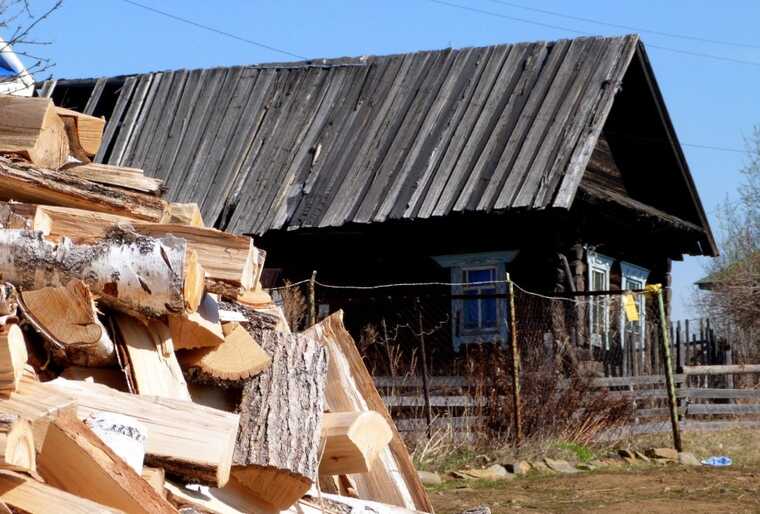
pixel 480 357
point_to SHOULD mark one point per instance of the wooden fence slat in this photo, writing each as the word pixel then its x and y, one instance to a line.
pixel 715 393
pixel 704 409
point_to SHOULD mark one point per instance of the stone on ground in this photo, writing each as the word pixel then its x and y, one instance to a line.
pixel 494 472
pixel 429 478
pixel 518 467
pixel 560 466
pixel 480 509
pixel 663 453
pixel 688 459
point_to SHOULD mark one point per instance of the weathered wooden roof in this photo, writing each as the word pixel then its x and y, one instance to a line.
pixel 370 139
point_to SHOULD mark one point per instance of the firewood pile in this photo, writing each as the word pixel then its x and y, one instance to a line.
pixel 143 369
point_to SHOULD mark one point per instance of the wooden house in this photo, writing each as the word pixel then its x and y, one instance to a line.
pixel 554 161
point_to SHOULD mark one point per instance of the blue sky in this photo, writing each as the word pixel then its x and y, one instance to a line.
pixel 712 102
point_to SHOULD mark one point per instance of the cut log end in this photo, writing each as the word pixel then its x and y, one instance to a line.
pixel 13 357
pixel 277 487
pixel 352 441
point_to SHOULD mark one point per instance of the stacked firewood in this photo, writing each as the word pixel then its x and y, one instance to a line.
pixel 142 366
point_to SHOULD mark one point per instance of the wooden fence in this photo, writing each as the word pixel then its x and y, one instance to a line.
pixel 704 393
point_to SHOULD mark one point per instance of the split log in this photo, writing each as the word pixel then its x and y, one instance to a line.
pixel 75 460
pixel 111 377
pixel 231 262
pixel 67 317
pixel 40 405
pixel 197 329
pixel 118 176
pixel 33 497
pixel 19 181
pixel 393 479
pixel 155 369
pixel 31 129
pixel 185 214
pixel 233 498
pixel 132 273
pixel 352 441
pixel 156 477
pixel 237 358
pixel 89 129
pixel 13 357
pixel 17 444
pixel 277 450
pixel 186 439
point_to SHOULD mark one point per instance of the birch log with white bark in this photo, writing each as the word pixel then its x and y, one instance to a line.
pixel 136 274
pixel 277 452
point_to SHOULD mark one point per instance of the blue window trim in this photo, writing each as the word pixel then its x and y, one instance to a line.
pixel 628 272
pixel 458 264
pixel 602 263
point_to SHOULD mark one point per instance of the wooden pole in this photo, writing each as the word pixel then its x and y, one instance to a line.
pixel 669 371
pixel 425 384
pixel 312 299
pixel 517 418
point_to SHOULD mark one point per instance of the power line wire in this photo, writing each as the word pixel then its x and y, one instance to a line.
pixel 718 148
pixel 212 29
pixel 585 33
pixel 626 27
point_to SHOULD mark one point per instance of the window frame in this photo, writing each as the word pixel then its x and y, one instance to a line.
pixel 598 262
pixel 632 272
pixel 458 264
pixel 480 329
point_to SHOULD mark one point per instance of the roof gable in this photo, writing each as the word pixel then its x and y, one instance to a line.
pixel 371 139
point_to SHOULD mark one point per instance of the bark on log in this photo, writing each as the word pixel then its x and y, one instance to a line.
pixel 277 451
pixel 231 261
pixel 67 318
pixel 393 479
pixel 135 274
pixel 118 176
pixel 25 183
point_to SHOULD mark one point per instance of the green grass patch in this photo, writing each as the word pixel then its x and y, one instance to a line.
pixel 581 452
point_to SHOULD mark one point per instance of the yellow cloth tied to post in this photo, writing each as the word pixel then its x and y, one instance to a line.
pixel 629 305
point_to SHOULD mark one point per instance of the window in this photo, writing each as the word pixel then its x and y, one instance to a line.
pixel 480 314
pixel 634 277
pixel 482 318
pixel 599 280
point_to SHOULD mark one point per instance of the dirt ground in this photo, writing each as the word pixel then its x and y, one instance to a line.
pixel 666 489
pixel 623 489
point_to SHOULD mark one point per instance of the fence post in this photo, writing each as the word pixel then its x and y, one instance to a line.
pixel 517 409
pixel 425 384
pixel 312 299
pixel 669 371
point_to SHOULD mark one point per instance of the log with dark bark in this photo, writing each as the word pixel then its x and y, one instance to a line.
pixel 135 274
pixel 25 183
pixel 277 451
